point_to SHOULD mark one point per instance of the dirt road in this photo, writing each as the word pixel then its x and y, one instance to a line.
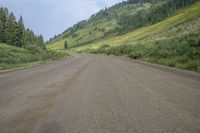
pixel 99 94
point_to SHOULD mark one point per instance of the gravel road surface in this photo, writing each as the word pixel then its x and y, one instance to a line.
pixel 99 94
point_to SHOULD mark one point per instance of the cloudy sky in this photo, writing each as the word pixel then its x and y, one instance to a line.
pixel 50 17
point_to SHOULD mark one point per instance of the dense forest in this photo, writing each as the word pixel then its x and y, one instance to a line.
pixel 13 31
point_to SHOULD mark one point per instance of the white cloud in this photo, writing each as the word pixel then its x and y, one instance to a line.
pixel 50 17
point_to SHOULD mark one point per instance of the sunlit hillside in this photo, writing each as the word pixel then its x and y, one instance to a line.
pixel 97 27
pixel 184 21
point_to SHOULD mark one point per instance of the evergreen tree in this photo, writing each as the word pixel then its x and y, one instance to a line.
pixel 21 22
pixel 40 41
pixel 10 29
pixel 3 19
pixel 65 45
pixel 18 35
pixel 19 32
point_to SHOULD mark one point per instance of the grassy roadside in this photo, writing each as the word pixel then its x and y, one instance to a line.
pixel 181 52
pixel 13 57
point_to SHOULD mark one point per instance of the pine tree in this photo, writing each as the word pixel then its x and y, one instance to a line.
pixel 19 33
pixel 65 45
pixel 40 41
pixel 2 24
pixel 10 29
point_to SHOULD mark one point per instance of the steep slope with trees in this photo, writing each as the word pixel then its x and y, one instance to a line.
pixel 99 26
pixel 117 20
pixel 20 46
pixel 155 14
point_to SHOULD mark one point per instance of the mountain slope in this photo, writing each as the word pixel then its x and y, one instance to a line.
pixel 184 21
pixel 117 20
pixel 174 41
pixel 97 27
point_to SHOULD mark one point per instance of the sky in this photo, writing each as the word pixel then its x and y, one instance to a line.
pixel 51 17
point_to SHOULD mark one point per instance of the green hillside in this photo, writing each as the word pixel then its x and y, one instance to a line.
pixel 120 19
pixel 97 27
pixel 173 40
pixel 184 21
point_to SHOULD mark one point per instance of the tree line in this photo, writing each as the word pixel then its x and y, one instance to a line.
pixel 143 1
pixel 13 31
